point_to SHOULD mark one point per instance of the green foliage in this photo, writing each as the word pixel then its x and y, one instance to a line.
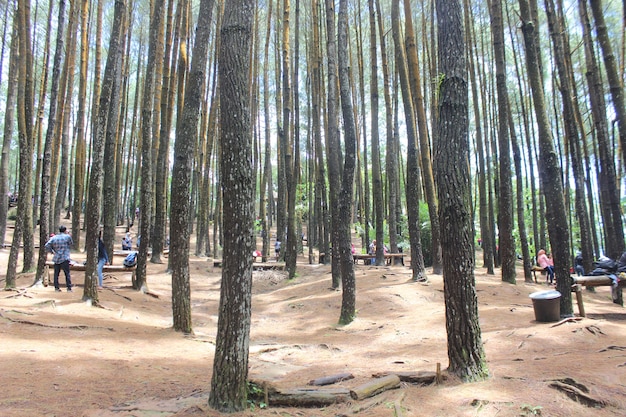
pixel 256 396
pixel 426 234
pixel 12 214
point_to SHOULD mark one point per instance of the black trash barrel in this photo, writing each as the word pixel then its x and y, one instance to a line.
pixel 546 305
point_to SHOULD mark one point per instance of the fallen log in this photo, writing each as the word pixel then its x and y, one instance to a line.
pixel 307 397
pixel 332 379
pixel 374 387
pixel 417 377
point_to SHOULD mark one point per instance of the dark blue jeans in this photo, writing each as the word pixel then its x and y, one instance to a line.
pixel 65 266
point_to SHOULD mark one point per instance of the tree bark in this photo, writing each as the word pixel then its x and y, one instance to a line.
pixel 412 180
pixel 109 98
pixel 424 145
pixel 333 147
pixel 549 170
pixel 9 114
pixel 348 281
pixel 145 212
pixel 184 151
pixel 44 206
pixel 465 349
pixel 505 202
pixel 230 366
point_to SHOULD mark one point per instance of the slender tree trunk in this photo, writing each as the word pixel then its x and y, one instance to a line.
pixel 572 135
pixel 109 98
pixel 483 207
pixel 81 145
pixel 9 114
pixel 184 151
pixel 391 160
pixel 230 366
pixel 44 206
pixel 505 206
pixel 424 145
pixel 348 299
pixel 614 78
pixel 412 182
pixel 156 20
pixel 333 148
pixel 550 172
pixel 377 180
pixel 24 223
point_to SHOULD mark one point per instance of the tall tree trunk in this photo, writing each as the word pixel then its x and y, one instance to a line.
pixel 286 144
pixel 412 181
pixel 377 180
pixel 265 191
pixel 348 284
pixel 333 148
pixel 112 143
pixel 147 110
pixel 505 202
pixel 559 44
pixel 184 151
pixel 424 146
pixel 9 114
pixel 465 349
pixel 610 206
pixel 168 92
pixel 61 147
pixel 613 76
pixel 109 99
pixel 483 207
pixel 391 160
pixel 81 140
pixel 549 170
pixel 230 365
pixel 44 206
pixel 24 223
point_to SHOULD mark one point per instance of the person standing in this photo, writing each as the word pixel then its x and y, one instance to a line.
pixel 60 245
pixel 277 249
pixel 103 259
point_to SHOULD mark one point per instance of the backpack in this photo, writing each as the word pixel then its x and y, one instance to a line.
pixel 130 260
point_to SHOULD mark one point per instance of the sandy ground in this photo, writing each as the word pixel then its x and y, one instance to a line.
pixel 62 357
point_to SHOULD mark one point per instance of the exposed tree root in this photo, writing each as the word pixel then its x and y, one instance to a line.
pixel 577 392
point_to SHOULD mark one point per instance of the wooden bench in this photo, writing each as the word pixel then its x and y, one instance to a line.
pixel 389 257
pixel 83 267
pixel 257 266
pixel 597 281
pixel 535 269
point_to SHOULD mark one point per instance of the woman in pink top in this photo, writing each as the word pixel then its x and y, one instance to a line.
pixel 547 265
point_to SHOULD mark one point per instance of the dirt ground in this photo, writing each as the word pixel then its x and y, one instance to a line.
pixel 62 357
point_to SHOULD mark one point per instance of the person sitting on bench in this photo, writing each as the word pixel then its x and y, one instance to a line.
pixel 127 242
pixel 546 263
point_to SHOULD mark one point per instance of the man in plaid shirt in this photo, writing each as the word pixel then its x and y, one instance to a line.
pixel 60 246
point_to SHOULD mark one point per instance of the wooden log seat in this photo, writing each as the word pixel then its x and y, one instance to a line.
pixel 367 258
pixel 598 281
pixel 83 267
